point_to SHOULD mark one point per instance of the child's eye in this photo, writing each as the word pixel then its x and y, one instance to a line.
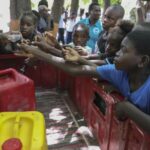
pixel 108 17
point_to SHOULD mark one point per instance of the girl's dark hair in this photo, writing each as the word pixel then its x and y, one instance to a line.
pixel 30 14
pixel 125 25
pixel 140 38
pixel 83 26
pixel 36 13
pixel 121 29
pixel 92 5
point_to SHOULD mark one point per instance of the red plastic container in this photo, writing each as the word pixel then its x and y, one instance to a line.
pixel 12 144
pixel 80 92
pixel 65 81
pixel 100 110
pixel 42 74
pixel 11 61
pixel 85 95
pixel 74 90
pixel 147 142
pixel 136 138
pixel 49 75
pixel 118 129
pixel 16 91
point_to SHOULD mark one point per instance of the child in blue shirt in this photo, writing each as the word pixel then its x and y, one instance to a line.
pixel 130 73
pixel 94 24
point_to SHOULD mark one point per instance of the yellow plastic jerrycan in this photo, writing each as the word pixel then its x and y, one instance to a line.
pixel 28 127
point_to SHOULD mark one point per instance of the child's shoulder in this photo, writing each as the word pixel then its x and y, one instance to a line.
pixel 89 49
pixel 148 82
pixel 85 21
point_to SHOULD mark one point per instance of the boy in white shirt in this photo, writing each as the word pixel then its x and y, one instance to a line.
pixel 70 25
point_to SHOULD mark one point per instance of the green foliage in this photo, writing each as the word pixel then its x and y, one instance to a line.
pixel 116 1
pixel 101 2
pixel 89 1
pixel 32 5
pixel 86 1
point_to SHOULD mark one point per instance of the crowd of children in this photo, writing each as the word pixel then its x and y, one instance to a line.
pixel 123 56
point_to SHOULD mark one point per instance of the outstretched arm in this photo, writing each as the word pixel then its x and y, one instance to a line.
pixel 48 48
pixel 140 12
pixel 92 56
pixel 129 110
pixel 72 55
pixel 71 68
pixel 94 62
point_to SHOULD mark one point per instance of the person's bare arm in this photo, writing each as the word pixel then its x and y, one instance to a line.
pixel 71 55
pixel 140 12
pixel 129 110
pixel 92 56
pixel 47 48
pixel 73 69
pixel 87 62
pixel 98 62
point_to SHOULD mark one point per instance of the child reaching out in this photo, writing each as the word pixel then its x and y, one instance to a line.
pixel 28 30
pixel 111 16
pixel 115 36
pixel 80 36
pixel 28 25
pixel 28 22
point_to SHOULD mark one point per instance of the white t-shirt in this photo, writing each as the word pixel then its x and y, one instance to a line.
pixel 147 19
pixel 70 24
pixel 61 21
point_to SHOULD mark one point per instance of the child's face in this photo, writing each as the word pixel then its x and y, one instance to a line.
pixel 113 44
pixel 73 16
pixel 44 13
pixel 27 26
pixel 109 19
pixel 80 38
pixel 127 57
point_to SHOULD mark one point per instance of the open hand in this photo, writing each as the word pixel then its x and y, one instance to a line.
pixel 50 39
pixel 81 50
pixel 71 55
pixel 42 43
pixel 24 50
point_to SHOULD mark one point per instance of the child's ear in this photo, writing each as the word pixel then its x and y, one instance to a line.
pixel 145 59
